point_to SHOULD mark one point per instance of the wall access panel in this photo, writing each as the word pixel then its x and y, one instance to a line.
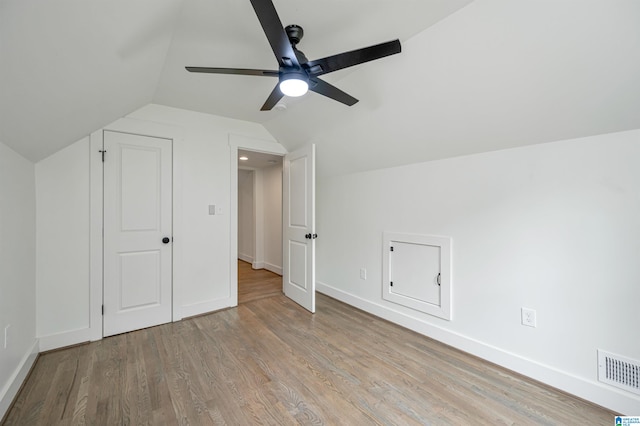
pixel 417 272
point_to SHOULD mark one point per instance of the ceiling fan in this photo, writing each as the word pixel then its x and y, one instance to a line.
pixel 297 74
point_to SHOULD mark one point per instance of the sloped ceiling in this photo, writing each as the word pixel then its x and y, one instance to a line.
pixel 473 76
pixel 69 67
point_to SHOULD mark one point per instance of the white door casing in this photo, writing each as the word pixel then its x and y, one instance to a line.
pixel 298 217
pixel 137 216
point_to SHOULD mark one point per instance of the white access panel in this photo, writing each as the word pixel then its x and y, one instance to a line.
pixel 417 272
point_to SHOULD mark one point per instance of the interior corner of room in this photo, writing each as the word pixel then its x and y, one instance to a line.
pixel 497 156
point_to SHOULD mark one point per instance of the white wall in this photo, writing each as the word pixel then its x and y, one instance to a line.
pixel 62 217
pixel 266 221
pixel 17 272
pixel 63 207
pixel 554 227
pixel 272 189
pixel 246 219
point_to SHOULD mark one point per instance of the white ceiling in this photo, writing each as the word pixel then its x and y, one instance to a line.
pixel 472 77
pixel 226 33
pixel 258 160
pixel 69 67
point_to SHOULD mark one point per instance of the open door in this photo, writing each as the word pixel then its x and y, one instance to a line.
pixel 298 217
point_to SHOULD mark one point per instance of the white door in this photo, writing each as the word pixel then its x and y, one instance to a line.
pixel 298 217
pixel 137 232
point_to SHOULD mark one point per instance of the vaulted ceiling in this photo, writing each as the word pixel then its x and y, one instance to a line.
pixel 473 76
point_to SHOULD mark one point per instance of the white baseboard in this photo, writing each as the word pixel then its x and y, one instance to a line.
pixel 595 392
pixel 11 388
pixel 67 338
pixel 245 257
pixel 206 307
pixel 273 268
pixel 268 266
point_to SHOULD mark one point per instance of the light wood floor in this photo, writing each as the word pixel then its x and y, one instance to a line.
pixel 254 284
pixel 271 362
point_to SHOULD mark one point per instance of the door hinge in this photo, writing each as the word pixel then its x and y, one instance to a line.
pixel 391 248
pixel 103 151
pixel 102 309
pixel 391 283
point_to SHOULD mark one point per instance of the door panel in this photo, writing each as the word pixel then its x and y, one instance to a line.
pixel 299 226
pixel 139 279
pixel 140 196
pixel 298 264
pixel 415 270
pixel 298 185
pixel 137 216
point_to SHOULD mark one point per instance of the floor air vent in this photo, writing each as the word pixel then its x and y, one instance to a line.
pixel 618 371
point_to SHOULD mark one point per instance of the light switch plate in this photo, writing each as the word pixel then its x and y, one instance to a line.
pixel 212 209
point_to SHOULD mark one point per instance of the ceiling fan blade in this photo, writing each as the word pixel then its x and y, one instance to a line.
pixel 236 71
pixel 272 26
pixel 354 57
pixel 330 91
pixel 273 98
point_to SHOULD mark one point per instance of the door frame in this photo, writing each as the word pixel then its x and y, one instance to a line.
pixel 250 144
pixel 96 188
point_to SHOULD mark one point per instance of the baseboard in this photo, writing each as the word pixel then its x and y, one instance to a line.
pixel 273 268
pixel 67 338
pixel 205 307
pixel 268 266
pixel 594 392
pixel 10 390
pixel 245 258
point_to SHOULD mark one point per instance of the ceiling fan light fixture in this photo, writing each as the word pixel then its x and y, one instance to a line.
pixel 294 84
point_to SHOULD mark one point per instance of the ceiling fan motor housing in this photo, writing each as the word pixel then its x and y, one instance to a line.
pixel 295 33
pixel 293 74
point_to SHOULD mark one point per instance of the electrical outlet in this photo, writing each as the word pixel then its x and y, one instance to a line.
pixel 363 274
pixel 528 317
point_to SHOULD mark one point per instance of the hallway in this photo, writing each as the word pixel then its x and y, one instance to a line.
pixel 256 284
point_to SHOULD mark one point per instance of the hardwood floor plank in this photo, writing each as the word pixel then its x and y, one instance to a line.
pixel 269 361
pixel 255 284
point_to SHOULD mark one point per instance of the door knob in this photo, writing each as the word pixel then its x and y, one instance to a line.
pixel 166 240
pixel 307 236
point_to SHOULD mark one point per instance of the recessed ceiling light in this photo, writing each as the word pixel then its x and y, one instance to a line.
pixel 243 158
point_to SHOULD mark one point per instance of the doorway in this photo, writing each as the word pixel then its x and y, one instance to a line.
pixel 259 218
pixel 298 204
